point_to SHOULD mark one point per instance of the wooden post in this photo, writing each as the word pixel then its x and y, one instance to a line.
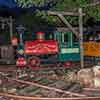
pixel 10 27
pixel 81 37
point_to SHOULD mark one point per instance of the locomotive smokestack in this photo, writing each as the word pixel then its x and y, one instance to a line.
pixel 40 36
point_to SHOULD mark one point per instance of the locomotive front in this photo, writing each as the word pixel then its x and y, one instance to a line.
pixel 38 51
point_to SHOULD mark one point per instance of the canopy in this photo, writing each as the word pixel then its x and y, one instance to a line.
pixel 14 4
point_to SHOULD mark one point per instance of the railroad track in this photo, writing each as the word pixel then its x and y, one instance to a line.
pixel 42 85
pixel 10 68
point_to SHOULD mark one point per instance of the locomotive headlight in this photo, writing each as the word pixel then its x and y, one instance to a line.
pixel 21 51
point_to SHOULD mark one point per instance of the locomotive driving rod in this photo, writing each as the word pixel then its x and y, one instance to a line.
pixel 41 98
pixel 47 87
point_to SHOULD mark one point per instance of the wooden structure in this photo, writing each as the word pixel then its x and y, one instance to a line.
pixel 6 51
pixel 9 22
pixel 6 54
pixel 79 33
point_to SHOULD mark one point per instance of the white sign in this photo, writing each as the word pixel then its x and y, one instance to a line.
pixel 70 50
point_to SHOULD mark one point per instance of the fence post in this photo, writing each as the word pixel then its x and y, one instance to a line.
pixel 81 37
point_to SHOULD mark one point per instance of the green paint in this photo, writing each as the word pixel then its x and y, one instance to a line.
pixel 68 51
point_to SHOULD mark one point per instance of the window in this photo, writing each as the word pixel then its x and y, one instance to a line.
pixel 75 39
pixel 64 38
pixel 49 36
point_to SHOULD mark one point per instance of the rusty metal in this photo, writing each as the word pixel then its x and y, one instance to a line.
pixel 43 98
pixel 91 89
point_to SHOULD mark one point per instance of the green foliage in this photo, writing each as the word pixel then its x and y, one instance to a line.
pixel 28 3
pixel 36 22
pixel 41 20
pixel 62 5
pixel 66 5
pixel 93 12
pixel 73 5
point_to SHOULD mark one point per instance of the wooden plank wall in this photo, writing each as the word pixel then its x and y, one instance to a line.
pixel 6 54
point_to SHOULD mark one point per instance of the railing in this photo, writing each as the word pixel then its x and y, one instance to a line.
pixel 6 54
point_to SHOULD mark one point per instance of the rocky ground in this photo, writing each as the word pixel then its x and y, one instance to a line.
pixel 49 84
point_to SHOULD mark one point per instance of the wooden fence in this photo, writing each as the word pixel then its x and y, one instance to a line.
pixel 6 54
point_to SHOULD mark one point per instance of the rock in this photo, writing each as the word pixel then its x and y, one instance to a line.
pixel 96 70
pixel 85 77
pixel 0 82
pixel 47 93
pixel 12 90
pixel 97 82
pixel 59 84
pixel 70 77
pixel 76 87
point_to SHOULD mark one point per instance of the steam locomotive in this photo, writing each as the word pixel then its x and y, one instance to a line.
pixel 58 49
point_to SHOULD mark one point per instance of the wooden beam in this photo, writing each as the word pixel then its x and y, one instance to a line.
pixel 5 19
pixel 9 22
pixel 92 89
pixel 10 27
pixel 44 98
pixel 68 24
pixel 63 13
pixel 81 37
pixel 65 29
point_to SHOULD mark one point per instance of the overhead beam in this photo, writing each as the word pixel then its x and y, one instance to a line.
pixel 64 13
pixel 68 24
pixel 64 29
pixel 78 34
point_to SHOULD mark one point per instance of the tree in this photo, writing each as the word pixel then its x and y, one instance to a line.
pixel 90 7
pixel 40 20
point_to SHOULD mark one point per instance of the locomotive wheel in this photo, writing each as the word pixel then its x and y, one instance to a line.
pixel 59 64
pixel 67 64
pixel 34 62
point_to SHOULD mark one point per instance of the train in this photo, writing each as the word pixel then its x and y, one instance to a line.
pixel 60 49
pixel 92 45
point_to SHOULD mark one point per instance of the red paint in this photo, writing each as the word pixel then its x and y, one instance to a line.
pixel 40 33
pixel 21 62
pixel 41 47
pixel 14 41
pixel 67 63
